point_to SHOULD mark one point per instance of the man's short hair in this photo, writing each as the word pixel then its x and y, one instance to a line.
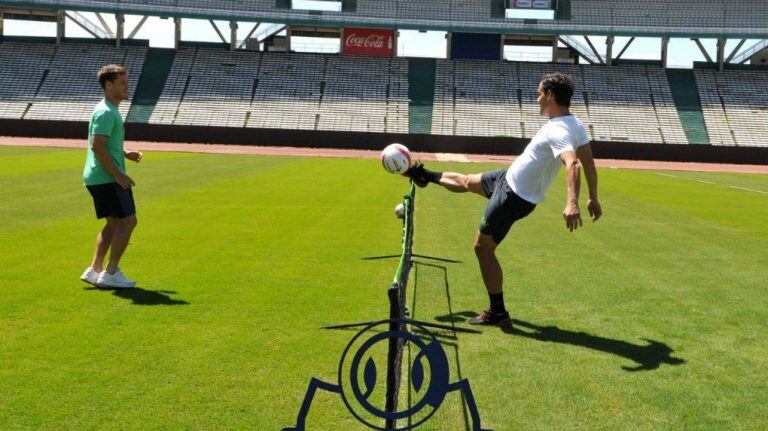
pixel 561 86
pixel 109 73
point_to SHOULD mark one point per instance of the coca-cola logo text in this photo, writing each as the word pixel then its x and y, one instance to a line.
pixel 375 41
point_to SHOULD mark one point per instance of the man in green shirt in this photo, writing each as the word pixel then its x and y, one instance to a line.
pixel 104 177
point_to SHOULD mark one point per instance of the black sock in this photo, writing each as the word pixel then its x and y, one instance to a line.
pixel 432 176
pixel 497 303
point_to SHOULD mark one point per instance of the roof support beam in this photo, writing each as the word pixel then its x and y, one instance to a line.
pixel 703 50
pixel 721 54
pixel 138 27
pixel 85 24
pixel 625 48
pixel 104 25
pixel 176 33
pixel 664 52
pixel 735 50
pixel 567 43
pixel 215 27
pixel 609 50
pixel 233 35
pixel 247 38
pixel 599 57
pixel 120 35
pixel 61 22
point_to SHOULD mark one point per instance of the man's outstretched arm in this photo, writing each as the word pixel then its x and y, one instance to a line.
pixel 584 154
pixel 572 214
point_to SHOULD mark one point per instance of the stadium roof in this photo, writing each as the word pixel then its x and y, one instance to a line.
pixel 651 18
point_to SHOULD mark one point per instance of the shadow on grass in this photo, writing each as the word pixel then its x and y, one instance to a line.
pixel 647 357
pixel 462 316
pixel 422 256
pixel 141 296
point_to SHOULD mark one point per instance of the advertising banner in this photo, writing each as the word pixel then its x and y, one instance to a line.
pixel 369 41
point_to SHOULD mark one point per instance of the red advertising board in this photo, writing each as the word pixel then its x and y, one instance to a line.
pixel 369 41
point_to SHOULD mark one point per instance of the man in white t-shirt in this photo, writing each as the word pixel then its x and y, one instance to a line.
pixel 514 193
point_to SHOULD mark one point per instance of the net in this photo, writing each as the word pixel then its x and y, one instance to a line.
pixel 397 309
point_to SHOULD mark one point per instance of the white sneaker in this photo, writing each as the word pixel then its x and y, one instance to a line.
pixel 117 280
pixel 90 276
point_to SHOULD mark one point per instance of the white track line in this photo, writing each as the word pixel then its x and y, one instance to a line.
pixel 711 183
pixel 749 190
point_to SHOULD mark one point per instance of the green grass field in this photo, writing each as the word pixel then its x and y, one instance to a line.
pixel 241 259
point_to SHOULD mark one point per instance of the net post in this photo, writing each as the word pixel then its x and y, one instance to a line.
pixel 394 356
pixel 398 311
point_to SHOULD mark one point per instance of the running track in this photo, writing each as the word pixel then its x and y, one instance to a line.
pixel 319 152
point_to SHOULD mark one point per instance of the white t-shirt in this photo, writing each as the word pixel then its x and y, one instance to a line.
pixel 531 174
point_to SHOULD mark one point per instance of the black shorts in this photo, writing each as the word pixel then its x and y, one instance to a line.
pixel 504 206
pixel 111 200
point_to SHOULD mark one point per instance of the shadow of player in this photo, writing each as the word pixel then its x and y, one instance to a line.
pixel 140 296
pixel 647 357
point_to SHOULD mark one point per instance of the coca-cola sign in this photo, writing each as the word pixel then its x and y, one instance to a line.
pixel 368 41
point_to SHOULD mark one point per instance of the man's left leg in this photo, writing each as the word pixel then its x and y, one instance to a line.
pixel 120 241
pixel 103 241
pixel 493 277
pixel 504 208
pixel 485 250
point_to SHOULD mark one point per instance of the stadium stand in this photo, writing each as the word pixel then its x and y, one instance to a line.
pixel 168 103
pixel 288 93
pixel 735 105
pixel 45 82
pixel 476 98
pixel 215 87
pixel 212 86
pixel 365 94
pixel 219 89
pixel 492 98
pixel 663 13
pixel 626 104
pixel 70 90
pixel 22 67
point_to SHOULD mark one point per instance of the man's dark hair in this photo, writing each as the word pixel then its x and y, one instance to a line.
pixel 561 86
pixel 109 73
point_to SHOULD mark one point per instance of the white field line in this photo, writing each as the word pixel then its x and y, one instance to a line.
pixel 712 183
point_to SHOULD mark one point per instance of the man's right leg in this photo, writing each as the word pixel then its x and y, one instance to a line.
pixel 120 241
pixel 452 181
pixel 460 183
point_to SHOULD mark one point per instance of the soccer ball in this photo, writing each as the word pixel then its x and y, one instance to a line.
pixel 396 159
pixel 400 211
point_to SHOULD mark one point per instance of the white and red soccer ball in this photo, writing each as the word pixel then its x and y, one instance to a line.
pixel 396 159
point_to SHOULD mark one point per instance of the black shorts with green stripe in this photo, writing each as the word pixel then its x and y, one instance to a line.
pixel 504 208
